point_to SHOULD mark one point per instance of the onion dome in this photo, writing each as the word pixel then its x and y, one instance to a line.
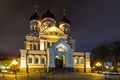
pixel 64 20
pixel 35 17
pixel 48 14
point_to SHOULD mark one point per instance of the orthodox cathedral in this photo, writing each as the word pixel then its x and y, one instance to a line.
pixel 48 46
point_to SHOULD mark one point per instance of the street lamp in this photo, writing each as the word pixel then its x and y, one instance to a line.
pixel 15 63
pixel 98 65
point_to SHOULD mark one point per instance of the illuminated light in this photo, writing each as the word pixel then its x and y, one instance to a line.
pixel 28 46
pixel 88 66
pixel 8 67
pixel 60 49
pixel 41 45
pixel 52 28
pixel 98 64
pixel 3 67
pixel 14 62
pixel 112 67
pixel 93 67
pixel 76 60
pixel 22 63
pixel 106 67
pixel 57 57
pixel 64 59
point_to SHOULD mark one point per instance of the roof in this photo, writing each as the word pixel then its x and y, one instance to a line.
pixel 48 14
pixel 35 17
pixel 64 20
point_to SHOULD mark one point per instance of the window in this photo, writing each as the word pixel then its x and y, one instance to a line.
pixel 81 60
pixel 34 47
pixel 56 33
pixel 42 60
pixel 48 44
pixel 61 49
pixel 30 60
pixel 76 60
pixel 36 60
pixel 30 46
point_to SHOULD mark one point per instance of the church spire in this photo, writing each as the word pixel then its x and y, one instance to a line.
pixel 64 23
pixel 35 15
pixel 64 19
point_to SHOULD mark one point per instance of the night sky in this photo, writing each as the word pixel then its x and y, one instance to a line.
pixel 92 21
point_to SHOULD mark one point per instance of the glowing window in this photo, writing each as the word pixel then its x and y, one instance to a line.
pixel 41 45
pixel 81 60
pixel 76 60
pixel 61 49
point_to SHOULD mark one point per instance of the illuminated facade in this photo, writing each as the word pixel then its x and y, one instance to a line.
pixel 50 46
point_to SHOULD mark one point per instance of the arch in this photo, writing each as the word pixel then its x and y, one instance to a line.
pixel 42 59
pixel 81 60
pixel 30 59
pixel 36 59
pixel 63 50
pixel 76 60
pixel 61 45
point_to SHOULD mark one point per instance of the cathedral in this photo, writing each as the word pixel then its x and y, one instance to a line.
pixel 49 45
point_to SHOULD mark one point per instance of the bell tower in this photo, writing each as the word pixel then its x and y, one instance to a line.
pixel 64 23
pixel 35 22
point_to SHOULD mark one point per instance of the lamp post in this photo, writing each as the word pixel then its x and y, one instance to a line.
pixel 98 66
pixel 15 63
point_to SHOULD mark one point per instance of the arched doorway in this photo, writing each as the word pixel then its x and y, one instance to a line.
pixel 60 61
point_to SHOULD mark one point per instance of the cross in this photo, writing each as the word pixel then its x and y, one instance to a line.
pixel 36 8
pixel 64 12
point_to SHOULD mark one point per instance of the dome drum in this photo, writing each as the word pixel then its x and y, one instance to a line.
pixel 48 19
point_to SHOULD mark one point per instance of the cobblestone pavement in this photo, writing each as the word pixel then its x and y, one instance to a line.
pixel 72 76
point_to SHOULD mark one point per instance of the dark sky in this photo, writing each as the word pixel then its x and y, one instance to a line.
pixel 92 21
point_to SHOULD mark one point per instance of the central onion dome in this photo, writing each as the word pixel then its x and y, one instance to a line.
pixel 35 17
pixel 64 20
pixel 48 14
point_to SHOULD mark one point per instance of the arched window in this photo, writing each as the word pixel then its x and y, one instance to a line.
pixel 36 60
pixel 61 49
pixel 34 47
pixel 42 60
pixel 30 60
pixel 81 60
pixel 76 60
pixel 48 44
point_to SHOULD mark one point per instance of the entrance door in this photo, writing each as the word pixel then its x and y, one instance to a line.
pixel 58 62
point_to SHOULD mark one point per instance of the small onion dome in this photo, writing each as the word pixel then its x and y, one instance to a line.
pixel 64 20
pixel 48 14
pixel 35 17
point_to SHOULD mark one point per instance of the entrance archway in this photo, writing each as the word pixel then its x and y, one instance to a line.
pixel 60 61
